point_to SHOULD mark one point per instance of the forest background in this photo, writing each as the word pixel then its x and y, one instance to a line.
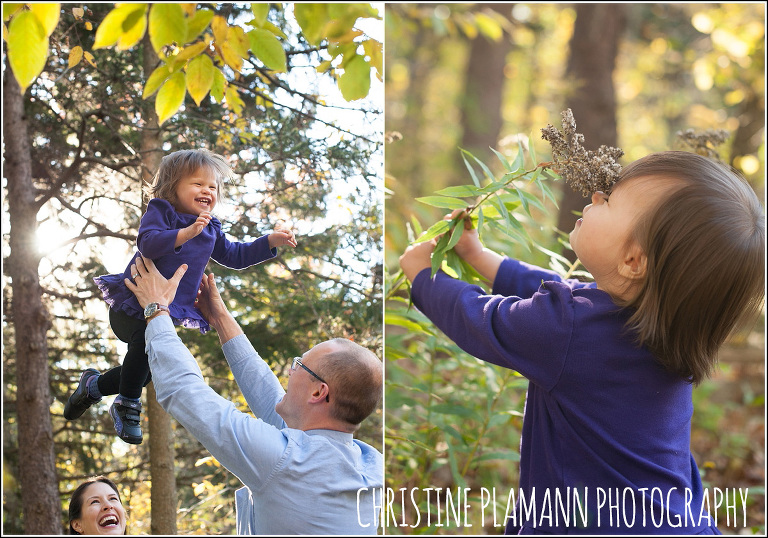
pixel 479 76
pixel 291 95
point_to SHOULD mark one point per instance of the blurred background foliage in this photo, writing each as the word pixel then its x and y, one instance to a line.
pixel 471 76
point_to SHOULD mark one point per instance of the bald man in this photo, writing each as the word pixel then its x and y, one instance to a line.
pixel 302 470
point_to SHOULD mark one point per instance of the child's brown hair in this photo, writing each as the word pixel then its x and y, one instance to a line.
pixel 183 163
pixel 705 248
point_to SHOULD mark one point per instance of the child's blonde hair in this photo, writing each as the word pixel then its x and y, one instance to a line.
pixel 183 163
pixel 705 248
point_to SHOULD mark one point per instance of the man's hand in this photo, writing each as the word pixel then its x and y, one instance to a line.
pixel 152 287
pixel 416 258
pixel 209 300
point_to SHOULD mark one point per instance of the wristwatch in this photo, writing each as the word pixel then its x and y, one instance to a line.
pixel 154 308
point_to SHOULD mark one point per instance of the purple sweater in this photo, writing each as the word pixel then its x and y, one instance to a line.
pixel 157 237
pixel 602 417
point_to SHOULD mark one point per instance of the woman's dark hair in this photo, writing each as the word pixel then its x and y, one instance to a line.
pixel 76 501
pixel 705 248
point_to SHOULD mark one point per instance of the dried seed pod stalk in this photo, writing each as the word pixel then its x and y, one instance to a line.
pixel 586 171
pixel 704 143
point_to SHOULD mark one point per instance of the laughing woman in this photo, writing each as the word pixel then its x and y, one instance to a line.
pixel 96 508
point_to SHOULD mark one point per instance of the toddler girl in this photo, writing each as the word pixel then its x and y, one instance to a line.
pixel 677 255
pixel 177 228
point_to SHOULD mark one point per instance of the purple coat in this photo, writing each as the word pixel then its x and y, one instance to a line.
pixel 601 417
pixel 157 236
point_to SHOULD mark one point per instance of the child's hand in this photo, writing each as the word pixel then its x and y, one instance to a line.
pixel 469 246
pixel 281 237
pixel 416 258
pixel 194 229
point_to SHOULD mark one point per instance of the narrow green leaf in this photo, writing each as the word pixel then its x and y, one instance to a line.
pixel 402 321
pixel 439 254
pixel 532 151
pixel 268 49
pixel 170 97
pixel 458 230
pixel 485 168
pixel 472 173
pixel 456 410
pixel 503 160
pixel 440 227
pixel 461 191
pixel 454 262
pixel 443 201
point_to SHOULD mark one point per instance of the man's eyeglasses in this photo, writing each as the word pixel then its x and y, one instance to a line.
pixel 297 362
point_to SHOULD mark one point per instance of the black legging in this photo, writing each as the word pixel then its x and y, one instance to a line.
pixel 133 375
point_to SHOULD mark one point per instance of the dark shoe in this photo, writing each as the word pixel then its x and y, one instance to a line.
pixel 126 415
pixel 79 401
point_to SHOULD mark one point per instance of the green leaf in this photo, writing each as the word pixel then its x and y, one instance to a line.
pixel 167 25
pixel 443 201
pixel 461 191
pixel 10 9
pixel 312 18
pixel 458 230
pixel 217 89
pixel 402 321
pixel 504 161
pixel 472 173
pixel 355 82
pixel 170 97
pixel 268 49
pixel 200 77
pixel 439 254
pixel 438 228
pixel 260 11
pixel 27 48
pixel 156 79
pixel 199 22
pixel 499 455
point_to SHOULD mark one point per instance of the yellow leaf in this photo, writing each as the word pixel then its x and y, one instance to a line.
pixel 170 97
pixel 89 58
pixel 47 14
pixel 239 41
pixel 189 9
pixel 191 51
pixel 121 19
pixel 167 25
pixel 75 55
pixel 234 102
pixel 27 48
pixel 134 27
pixel 220 29
pixel 230 57
pixel 199 77
pixel 268 49
pixel 88 25
pixel 10 9
pixel 78 13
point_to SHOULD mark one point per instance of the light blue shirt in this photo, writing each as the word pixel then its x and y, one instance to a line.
pixel 296 482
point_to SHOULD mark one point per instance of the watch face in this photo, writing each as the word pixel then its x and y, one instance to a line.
pixel 151 309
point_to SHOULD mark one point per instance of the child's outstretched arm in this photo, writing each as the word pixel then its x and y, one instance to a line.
pixel 471 250
pixel 194 229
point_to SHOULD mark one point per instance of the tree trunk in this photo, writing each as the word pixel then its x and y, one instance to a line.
pixel 481 117
pixel 161 450
pixel 37 468
pixel 594 46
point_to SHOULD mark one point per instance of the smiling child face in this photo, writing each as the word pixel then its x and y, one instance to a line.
pixel 102 511
pixel 197 193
